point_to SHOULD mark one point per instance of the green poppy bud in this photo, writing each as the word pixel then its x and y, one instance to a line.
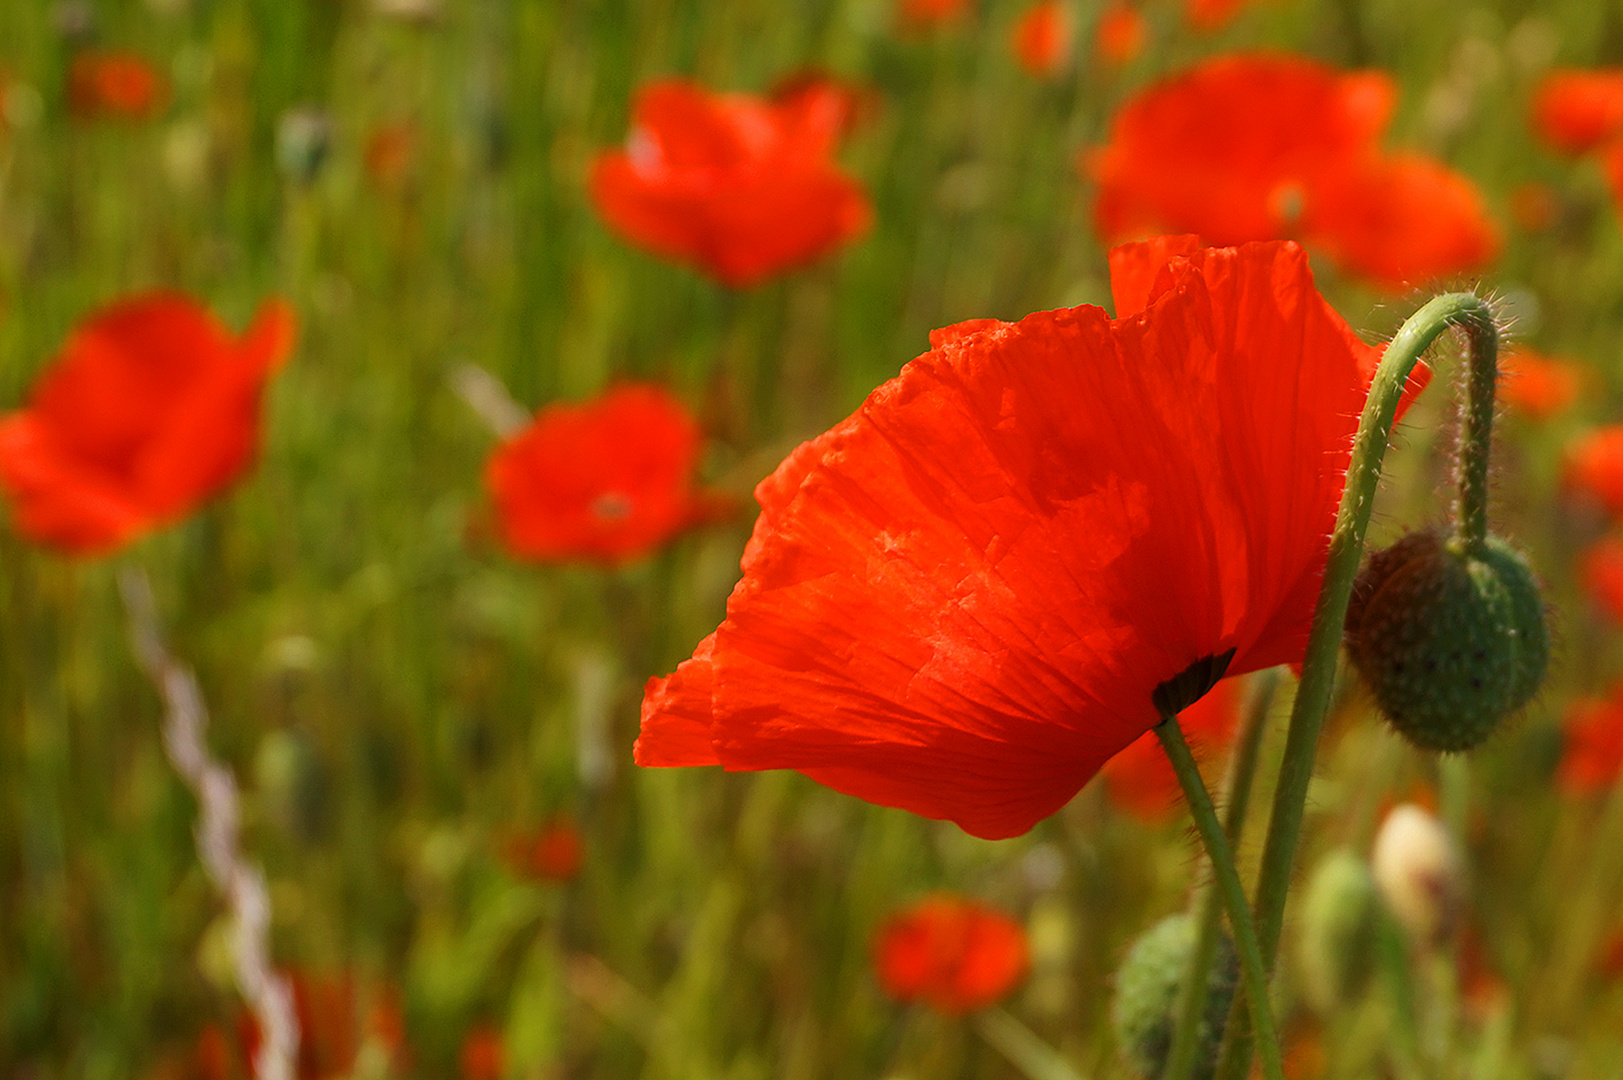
pixel 1144 1013
pixel 1337 943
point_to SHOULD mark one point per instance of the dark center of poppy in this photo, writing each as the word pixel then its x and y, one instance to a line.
pixel 1190 685
pixel 612 506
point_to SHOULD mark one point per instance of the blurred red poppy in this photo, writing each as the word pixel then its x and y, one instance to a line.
pixel 553 852
pixel 952 953
pixel 482 1056
pixel 921 622
pixel 336 1019
pixel 1594 468
pixel 740 187
pixel 1262 146
pixel 1593 758
pixel 114 84
pixel 1537 386
pixel 1042 37
pixel 925 12
pixel 1577 111
pixel 151 407
pixel 1211 15
pixel 1140 781
pixel 391 155
pixel 1119 36
pixel 607 481
pixel 1601 571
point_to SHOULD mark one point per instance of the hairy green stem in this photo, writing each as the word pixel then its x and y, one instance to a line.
pixel 1324 641
pixel 1226 878
pixel 1476 433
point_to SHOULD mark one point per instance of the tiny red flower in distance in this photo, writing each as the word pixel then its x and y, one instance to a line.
pixel 553 851
pixel 927 12
pixel 1041 37
pixel 114 84
pixel 740 187
pixel 1119 36
pixel 1539 387
pixel 151 408
pixel 1211 15
pixel 1262 146
pixel 1594 468
pixel 1601 570
pixel 606 481
pixel 1140 781
pixel 962 599
pixel 336 1018
pixel 482 1056
pixel 1578 111
pixel 1593 757
pixel 952 953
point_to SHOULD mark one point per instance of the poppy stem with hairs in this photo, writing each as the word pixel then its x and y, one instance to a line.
pixel 1227 881
pixel 1341 567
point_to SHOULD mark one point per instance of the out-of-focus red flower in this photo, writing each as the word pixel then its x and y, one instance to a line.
pixel 1141 782
pixel 952 953
pixel 1601 571
pixel 1263 146
pixel 1577 111
pixel 606 481
pixel 1611 955
pixel 1538 386
pixel 1534 207
pixel 391 155
pixel 482 1056
pixel 336 1018
pixel 1594 468
pixel 917 623
pixel 812 88
pixel 928 12
pixel 1593 757
pixel 740 187
pixel 1120 33
pixel 151 407
pixel 553 851
pixel 1211 15
pixel 114 84
pixel 1042 37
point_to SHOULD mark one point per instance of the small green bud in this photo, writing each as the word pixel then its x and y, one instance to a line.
pixel 1450 641
pixel 1144 1013
pixel 1337 943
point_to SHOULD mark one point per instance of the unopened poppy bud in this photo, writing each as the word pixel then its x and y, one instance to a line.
pixel 303 138
pixel 1419 873
pixel 1451 641
pixel 1144 1013
pixel 1338 930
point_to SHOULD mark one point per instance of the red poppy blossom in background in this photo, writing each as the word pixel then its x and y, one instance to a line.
pixel 952 953
pixel 336 1019
pixel 553 852
pixel 482 1056
pixel 927 12
pixel 1593 757
pixel 1119 36
pixel 1537 386
pixel 1601 571
pixel 1594 468
pixel 151 408
pixel 1211 15
pixel 961 600
pixel 114 84
pixel 1577 111
pixel 1042 37
pixel 740 187
pixel 1140 780
pixel 606 481
pixel 1262 146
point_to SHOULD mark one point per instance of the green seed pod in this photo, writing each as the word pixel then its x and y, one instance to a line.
pixel 1144 1013
pixel 1337 942
pixel 1450 641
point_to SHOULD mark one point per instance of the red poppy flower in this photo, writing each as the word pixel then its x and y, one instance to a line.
pixel 1211 15
pixel 151 408
pixel 482 1056
pixel 553 852
pixel 607 481
pixel 1539 387
pixel 1594 467
pixel 1601 570
pixel 1578 111
pixel 954 954
pixel 1593 757
pixel 336 1019
pixel 1259 147
pixel 114 84
pixel 1140 781
pixel 926 12
pixel 1041 37
pixel 740 187
pixel 1120 33
pixel 961 600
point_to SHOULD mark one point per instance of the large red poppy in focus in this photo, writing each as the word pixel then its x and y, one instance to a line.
pixel 605 481
pixel 952 953
pixel 740 187
pixel 961 599
pixel 1259 147
pixel 151 408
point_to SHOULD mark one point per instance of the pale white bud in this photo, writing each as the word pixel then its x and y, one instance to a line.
pixel 1420 874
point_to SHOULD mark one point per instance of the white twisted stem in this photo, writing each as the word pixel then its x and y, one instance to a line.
pixel 185 719
pixel 487 397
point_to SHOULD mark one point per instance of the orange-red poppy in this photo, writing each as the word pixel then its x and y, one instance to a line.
pixel 1593 757
pixel 1140 781
pixel 1042 37
pixel 606 481
pixel 927 12
pixel 1537 386
pixel 1265 146
pixel 553 851
pixel 151 407
pixel 1119 37
pixel 1594 468
pixel 114 84
pixel 740 187
pixel 336 1018
pixel 482 1056
pixel 1601 571
pixel 952 953
pixel 1211 15
pixel 1576 111
pixel 962 599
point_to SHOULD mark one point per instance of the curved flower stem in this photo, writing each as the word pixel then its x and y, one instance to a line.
pixel 1227 882
pixel 1341 567
pixel 1476 435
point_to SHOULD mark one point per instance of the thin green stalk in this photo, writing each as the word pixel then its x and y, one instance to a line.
pixel 1476 434
pixel 1242 771
pixel 1227 880
pixel 1324 641
pixel 1021 1046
